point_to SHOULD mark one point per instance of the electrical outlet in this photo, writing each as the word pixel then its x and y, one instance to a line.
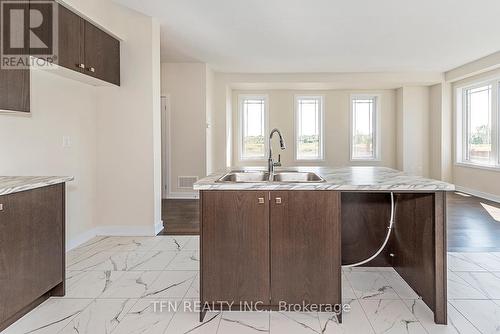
pixel 66 141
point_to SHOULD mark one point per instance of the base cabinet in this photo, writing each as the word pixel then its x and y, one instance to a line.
pixel 270 247
pixel 305 247
pixel 235 246
pixel 31 250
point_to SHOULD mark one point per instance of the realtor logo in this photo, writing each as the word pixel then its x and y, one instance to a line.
pixel 29 33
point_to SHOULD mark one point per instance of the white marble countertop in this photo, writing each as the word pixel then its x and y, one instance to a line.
pixel 341 179
pixel 14 184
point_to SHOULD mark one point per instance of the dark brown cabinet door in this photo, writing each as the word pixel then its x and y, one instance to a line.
pixel 102 55
pixel 305 247
pixel 71 32
pixel 31 247
pixel 15 90
pixel 235 246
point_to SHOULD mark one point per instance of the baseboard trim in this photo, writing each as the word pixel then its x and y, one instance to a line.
pixel 183 195
pixel 158 227
pixel 477 193
pixel 80 239
pixel 114 231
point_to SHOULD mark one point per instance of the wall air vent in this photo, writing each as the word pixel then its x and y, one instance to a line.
pixel 186 182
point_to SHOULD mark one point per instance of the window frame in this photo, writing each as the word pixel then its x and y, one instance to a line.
pixel 461 124
pixel 321 127
pixel 375 125
pixel 241 99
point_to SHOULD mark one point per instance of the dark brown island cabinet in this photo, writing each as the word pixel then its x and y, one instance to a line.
pixel 32 250
pixel 260 249
pixel 82 47
pixel 289 246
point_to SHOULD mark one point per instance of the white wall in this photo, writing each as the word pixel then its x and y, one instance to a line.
pixel 185 85
pixel 435 131
pixel 32 144
pixel 225 83
pixel 115 133
pixel 413 130
pixel 129 141
pixel 336 126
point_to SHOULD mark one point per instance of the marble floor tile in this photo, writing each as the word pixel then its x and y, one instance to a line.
pixel 143 318
pixel 74 276
pixel 132 284
pixel 189 322
pixel 170 284
pixel 458 262
pixel 244 323
pixel 153 260
pixel 127 244
pixel 294 323
pixel 49 317
pixel 100 317
pixel 391 316
pixel 458 288
pixel 353 321
pixel 371 285
pixel 104 261
pixel 192 244
pixel 483 314
pixel 171 243
pixel 457 324
pixel 194 290
pixel 185 260
pixel 487 261
pixel 399 285
pixel 347 291
pixel 72 256
pixel 91 244
pixel 92 284
pixel 488 283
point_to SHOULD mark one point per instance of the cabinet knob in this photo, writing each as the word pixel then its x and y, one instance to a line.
pixel 278 200
pixel 91 69
pixel 1 207
pixel 80 65
pixel 261 200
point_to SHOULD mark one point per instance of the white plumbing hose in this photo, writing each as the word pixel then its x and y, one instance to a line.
pixel 391 224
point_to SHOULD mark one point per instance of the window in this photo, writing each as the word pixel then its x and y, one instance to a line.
pixel 477 130
pixel 253 127
pixel 364 144
pixel 309 127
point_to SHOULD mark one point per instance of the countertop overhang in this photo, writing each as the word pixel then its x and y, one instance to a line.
pixel 359 178
pixel 14 184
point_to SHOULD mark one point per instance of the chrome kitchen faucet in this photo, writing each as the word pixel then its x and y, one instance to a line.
pixel 270 163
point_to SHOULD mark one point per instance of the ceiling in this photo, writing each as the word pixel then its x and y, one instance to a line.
pixel 292 36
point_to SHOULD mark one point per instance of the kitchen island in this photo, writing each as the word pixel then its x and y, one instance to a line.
pixel 281 245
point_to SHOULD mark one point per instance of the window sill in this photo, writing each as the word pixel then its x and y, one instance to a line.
pixel 309 160
pixel 365 160
pixel 476 166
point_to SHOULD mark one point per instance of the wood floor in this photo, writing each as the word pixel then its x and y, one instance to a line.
pixel 473 223
pixel 180 217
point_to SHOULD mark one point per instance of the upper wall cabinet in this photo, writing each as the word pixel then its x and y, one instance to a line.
pixel 15 90
pixel 87 49
pixel 71 33
pixel 102 54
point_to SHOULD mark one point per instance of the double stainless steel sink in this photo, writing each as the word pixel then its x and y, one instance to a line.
pixel 279 176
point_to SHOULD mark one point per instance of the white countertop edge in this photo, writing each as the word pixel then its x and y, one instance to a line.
pixel 14 184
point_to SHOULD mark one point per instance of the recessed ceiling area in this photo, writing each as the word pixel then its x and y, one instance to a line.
pixel 291 36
